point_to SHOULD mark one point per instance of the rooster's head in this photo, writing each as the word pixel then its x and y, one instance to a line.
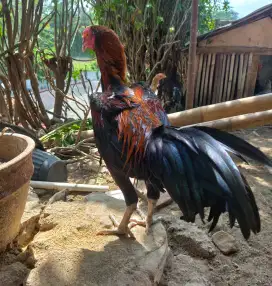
pixel 108 48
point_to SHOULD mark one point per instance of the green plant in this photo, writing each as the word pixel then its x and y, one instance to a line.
pixel 83 66
pixel 65 135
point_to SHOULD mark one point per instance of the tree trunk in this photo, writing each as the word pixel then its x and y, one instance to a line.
pixel 60 83
pixel 4 114
pixel 192 57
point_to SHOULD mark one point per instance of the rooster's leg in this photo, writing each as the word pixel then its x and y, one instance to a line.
pixel 149 218
pixel 122 227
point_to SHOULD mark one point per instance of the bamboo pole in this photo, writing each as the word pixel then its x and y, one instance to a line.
pixel 192 57
pixel 222 110
pixel 239 122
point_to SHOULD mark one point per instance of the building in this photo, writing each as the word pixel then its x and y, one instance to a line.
pixel 234 61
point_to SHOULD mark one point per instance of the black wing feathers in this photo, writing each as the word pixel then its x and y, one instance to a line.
pixel 195 167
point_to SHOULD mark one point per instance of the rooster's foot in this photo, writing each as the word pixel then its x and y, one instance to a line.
pixel 145 221
pixel 122 228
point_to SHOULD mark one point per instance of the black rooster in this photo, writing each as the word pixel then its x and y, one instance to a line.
pixel 192 164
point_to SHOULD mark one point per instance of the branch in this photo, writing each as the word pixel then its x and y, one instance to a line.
pixel 83 9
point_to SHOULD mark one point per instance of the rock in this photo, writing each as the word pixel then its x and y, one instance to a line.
pixel 93 165
pixel 42 192
pixel 71 253
pixel 59 196
pixel 140 185
pixel 33 206
pixel 117 194
pixel 163 201
pixel 225 242
pixel 13 275
pixel 187 236
pixel 27 257
pixel 30 219
pixel 186 271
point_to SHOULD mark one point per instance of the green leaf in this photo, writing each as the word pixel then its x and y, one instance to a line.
pixel 159 20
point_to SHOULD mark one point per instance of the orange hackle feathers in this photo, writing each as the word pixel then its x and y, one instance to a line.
pixel 135 124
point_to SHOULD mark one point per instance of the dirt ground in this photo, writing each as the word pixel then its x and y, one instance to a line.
pixel 252 264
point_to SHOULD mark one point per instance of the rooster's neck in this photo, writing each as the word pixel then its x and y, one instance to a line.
pixel 110 74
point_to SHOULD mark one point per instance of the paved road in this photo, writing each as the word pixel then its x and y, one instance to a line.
pixel 78 91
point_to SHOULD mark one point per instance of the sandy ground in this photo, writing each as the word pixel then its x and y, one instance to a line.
pixel 252 264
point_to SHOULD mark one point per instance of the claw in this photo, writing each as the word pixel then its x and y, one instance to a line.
pixel 145 223
pixel 120 230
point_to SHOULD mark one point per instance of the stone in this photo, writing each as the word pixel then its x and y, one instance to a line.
pixel 71 253
pixel 186 271
pixel 33 207
pixel 13 275
pixel 42 192
pixel 117 194
pixel 188 237
pixel 163 201
pixel 30 219
pixel 27 257
pixel 225 242
pixel 59 196
pixel 140 185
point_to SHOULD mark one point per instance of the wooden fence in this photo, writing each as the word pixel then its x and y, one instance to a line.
pixel 224 76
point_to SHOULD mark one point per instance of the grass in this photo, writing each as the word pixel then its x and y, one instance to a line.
pixel 88 65
pixel 83 66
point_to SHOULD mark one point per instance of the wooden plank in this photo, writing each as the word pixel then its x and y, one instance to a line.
pixel 205 57
pixel 232 59
pixel 199 74
pixel 235 49
pixel 222 79
pixel 196 71
pixel 211 79
pixel 235 78
pixel 207 79
pixel 246 57
pixel 240 75
pixel 254 73
pixel 217 77
pixel 248 76
pixel 226 79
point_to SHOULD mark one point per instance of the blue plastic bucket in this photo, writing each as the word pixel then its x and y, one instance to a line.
pixel 48 167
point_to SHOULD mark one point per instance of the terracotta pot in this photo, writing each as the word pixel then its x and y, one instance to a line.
pixel 15 173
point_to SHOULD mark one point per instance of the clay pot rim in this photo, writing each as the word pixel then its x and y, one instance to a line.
pixel 28 150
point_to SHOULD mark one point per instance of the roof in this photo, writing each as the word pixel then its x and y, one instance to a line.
pixel 257 15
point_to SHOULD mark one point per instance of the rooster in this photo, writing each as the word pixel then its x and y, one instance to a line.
pixel 192 164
